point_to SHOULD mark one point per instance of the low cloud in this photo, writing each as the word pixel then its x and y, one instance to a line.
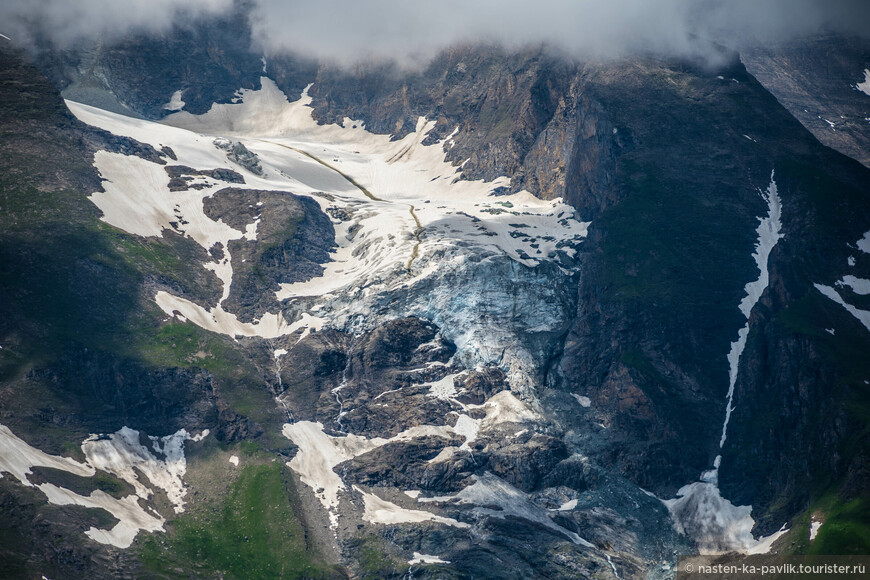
pixel 412 31
pixel 67 21
pixel 347 30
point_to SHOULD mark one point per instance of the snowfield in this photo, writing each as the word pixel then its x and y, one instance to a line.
pixel 408 207
pixel 120 454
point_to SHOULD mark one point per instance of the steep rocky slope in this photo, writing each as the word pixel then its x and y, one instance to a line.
pixel 822 82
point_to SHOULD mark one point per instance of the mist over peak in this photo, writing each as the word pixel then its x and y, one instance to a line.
pixel 346 31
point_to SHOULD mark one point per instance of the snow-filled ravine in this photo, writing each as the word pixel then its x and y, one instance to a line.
pixel 121 454
pixel 699 510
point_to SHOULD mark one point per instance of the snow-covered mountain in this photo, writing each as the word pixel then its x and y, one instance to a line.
pixel 511 315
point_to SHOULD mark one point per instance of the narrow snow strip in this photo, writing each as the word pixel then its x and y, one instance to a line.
pixel 863 316
pixel 426 559
pixel 17 457
pixel 814 529
pixel 130 514
pixel 699 510
pixel 379 511
pixel 864 87
pixel 769 233
pixel 220 321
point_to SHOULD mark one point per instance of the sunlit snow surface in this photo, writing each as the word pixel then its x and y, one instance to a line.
pixel 409 212
pixel 120 454
pixel 864 86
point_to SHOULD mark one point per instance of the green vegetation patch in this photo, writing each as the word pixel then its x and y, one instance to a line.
pixel 252 532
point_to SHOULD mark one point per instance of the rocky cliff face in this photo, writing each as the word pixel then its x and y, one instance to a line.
pixel 460 376
pixel 820 81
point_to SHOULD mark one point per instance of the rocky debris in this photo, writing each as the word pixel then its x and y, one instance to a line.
pixel 238 153
pixel 290 237
pixel 815 79
pixel 180 177
pixel 524 462
pixel 232 427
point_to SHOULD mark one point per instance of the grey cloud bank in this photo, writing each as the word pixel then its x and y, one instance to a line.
pixel 412 31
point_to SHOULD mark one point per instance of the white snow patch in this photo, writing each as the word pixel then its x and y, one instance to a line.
pixel 716 525
pixel 319 453
pixel 130 514
pixel 413 493
pixel 814 529
pixel 380 511
pixel 568 506
pixel 850 260
pixel 864 243
pixel 279 352
pixel 466 427
pixel 504 407
pixel 830 331
pixel 584 401
pixel 123 455
pixel 118 454
pixel 863 316
pixel 444 388
pixel 426 559
pixel 17 457
pixel 175 103
pixel 317 456
pixel 858 285
pixel 864 86
pixel 234 459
